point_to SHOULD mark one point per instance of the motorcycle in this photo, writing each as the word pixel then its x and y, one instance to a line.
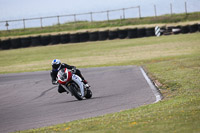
pixel 73 84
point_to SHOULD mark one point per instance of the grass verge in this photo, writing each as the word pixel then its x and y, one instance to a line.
pixel 172 60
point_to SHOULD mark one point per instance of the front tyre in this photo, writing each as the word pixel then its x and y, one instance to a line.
pixel 75 90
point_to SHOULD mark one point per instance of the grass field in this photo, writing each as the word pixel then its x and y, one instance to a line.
pixel 173 61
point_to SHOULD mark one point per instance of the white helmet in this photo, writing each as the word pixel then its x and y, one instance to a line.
pixel 56 64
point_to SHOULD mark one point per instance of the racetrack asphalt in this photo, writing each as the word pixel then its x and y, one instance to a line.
pixel 29 100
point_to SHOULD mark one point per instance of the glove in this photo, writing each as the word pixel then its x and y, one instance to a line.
pixel 74 70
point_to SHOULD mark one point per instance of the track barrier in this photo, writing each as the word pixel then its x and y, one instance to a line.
pixel 103 35
pixel 122 33
pixel 84 36
pixel 55 39
pixel 45 40
pixel 141 32
pixel 74 38
pixel 150 32
pixel 64 38
pixel 5 44
pixel 93 36
pixel 132 33
pixel 112 34
pixel 35 41
pixel 13 43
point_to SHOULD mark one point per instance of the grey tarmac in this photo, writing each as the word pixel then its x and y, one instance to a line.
pixel 29 100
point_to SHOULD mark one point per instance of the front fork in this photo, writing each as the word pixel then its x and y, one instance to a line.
pixel 79 82
pixel 66 88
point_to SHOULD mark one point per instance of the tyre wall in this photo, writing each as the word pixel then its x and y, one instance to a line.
pixel 15 43
pixel 194 28
pixel 113 34
pixel 55 39
pixel 25 42
pixel 93 36
pixel 64 38
pixel 5 44
pixel 141 32
pixel 122 33
pixel 36 41
pixel 150 31
pixel 74 38
pixel 84 36
pixel 185 29
pixel 45 40
pixel 132 33
pixel 103 35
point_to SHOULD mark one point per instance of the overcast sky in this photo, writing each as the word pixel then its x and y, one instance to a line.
pixel 17 9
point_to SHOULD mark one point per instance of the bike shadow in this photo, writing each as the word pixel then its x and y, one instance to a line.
pixel 84 100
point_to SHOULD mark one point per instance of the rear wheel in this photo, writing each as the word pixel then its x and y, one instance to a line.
pixel 75 90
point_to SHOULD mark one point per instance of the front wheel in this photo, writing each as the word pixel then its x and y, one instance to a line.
pixel 75 90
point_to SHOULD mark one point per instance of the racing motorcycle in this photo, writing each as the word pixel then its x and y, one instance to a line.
pixel 73 84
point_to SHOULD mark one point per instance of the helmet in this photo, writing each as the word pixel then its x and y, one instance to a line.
pixel 56 64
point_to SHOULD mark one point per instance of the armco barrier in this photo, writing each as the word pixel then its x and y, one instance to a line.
pixel 36 41
pixel 122 33
pixel 45 40
pixel 141 32
pixel 74 37
pixel 25 42
pixel 103 35
pixel 113 34
pixel 5 44
pixel 94 36
pixel 84 36
pixel 132 33
pixel 150 31
pixel 15 43
pixel 55 39
pixel 64 38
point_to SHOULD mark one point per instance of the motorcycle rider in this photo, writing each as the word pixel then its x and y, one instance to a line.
pixel 56 66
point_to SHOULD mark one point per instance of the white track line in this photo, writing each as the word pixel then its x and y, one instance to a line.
pixel 153 88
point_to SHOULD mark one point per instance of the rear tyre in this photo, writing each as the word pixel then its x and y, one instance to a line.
pixel 75 90
pixel 88 94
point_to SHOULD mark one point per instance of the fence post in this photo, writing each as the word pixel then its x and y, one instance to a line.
pixel 123 13
pixel 108 15
pixel 91 17
pixel 41 22
pixel 74 17
pixel 155 11
pixel 185 7
pixel 58 20
pixel 24 24
pixel 139 11
pixel 171 9
pixel 7 25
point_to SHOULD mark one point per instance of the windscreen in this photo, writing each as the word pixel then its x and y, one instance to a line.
pixel 62 75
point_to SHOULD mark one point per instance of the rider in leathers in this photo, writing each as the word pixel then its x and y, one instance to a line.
pixel 56 66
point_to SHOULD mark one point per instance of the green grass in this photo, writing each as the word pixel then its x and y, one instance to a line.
pixel 84 25
pixel 174 61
